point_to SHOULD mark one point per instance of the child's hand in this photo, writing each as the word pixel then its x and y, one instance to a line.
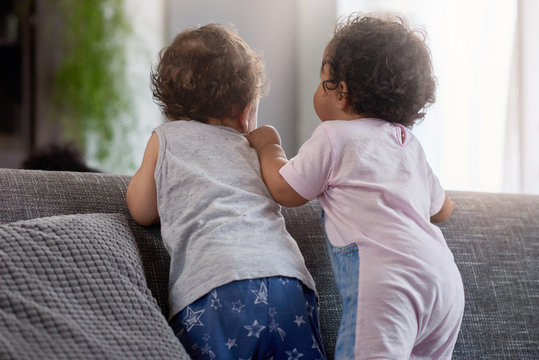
pixel 262 136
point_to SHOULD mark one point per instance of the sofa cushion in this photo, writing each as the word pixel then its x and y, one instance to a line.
pixel 72 286
pixel 494 238
pixel 304 224
pixel 30 194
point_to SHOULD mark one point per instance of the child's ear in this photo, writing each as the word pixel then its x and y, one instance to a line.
pixel 243 118
pixel 342 96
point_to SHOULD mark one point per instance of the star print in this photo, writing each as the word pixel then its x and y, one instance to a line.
pixel 294 354
pixel 274 326
pixel 207 350
pixel 216 304
pixel 310 308
pixel 299 320
pixel 192 318
pixel 231 343
pixel 255 329
pixel 272 312
pixel 237 306
pixel 284 280
pixel 206 337
pixel 261 294
pixel 315 344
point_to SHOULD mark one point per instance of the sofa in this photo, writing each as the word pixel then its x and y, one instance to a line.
pixel 79 279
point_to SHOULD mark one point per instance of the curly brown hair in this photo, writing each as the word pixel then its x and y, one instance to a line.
pixel 207 72
pixel 386 66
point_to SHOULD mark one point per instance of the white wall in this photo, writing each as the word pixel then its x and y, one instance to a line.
pixel 316 21
pixel 269 28
pixel 290 35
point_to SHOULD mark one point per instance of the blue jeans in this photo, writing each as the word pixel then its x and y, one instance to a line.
pixel 345 264
pixel 266 318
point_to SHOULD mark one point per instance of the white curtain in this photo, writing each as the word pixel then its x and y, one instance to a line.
pixel 522 134
pixel 481 133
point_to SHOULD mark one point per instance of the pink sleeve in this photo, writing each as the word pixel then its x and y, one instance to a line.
pixel 309 171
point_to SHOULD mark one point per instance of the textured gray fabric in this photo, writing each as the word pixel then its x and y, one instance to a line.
pixel 494 237
pixel 303 223
pixel 73 287
pixel 29 194
pixel 495 241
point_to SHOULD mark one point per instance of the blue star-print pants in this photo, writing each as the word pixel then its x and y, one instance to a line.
pixel 266 318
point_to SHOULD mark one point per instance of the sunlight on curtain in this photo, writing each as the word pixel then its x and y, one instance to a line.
pixel 142 48
pixel 522 147
pixel 471 43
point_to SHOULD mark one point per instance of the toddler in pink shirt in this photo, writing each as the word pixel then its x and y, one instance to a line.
pixel 401 290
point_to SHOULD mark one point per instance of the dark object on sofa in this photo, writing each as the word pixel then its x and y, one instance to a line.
pixel 495 239
pixel 57 157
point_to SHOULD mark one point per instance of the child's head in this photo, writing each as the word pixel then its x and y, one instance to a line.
pixel 207 73
pixel 386 67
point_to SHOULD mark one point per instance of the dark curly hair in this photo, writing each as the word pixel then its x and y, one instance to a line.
pixel 207 72
pixel 386 66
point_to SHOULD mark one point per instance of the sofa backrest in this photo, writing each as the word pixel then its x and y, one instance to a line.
pixel 494 238
pixel 29 194
pixel 495 241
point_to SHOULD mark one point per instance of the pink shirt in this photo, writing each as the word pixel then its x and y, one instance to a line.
pixel 378 192
pixel 373 182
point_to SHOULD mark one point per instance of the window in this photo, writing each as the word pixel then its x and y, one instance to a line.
pixel 472 45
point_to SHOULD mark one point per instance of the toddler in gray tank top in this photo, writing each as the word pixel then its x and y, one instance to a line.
pixel 201 180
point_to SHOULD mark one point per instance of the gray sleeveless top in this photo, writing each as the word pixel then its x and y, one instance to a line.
pixel 218 220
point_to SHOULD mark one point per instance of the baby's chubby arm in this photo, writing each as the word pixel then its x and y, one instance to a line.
pixel 141 193
pixel 445 212
pixel 267 142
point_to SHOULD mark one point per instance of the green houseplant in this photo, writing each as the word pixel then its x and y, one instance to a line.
pixel 90 89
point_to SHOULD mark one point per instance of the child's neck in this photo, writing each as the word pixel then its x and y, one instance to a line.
pixel 350 115
pixel 228 122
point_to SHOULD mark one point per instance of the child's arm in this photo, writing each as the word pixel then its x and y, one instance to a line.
pixel 141 193
pixel 445 212
pixel 267 142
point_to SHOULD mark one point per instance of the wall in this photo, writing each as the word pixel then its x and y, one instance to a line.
pixel 270 29
pixel 316 24
pixel 291 38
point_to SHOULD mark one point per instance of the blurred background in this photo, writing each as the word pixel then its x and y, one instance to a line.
pixel 76 74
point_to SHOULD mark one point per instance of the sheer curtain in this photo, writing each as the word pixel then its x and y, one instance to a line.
pixel 522 145
pixel 480 134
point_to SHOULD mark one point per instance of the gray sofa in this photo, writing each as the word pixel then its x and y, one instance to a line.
pixel 80 279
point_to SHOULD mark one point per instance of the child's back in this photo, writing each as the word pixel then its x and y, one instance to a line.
pixel 401 290
pixel 392 266
pixel 238 285
pixel 213 198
